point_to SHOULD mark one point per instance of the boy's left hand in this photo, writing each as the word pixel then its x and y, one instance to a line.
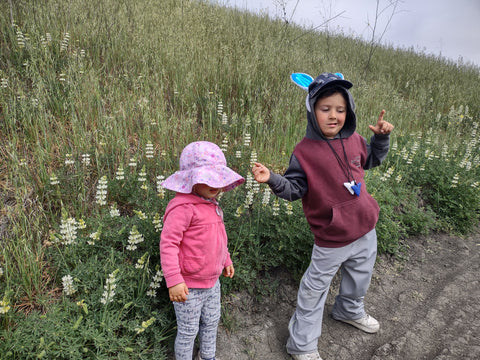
pixel 229 271
pixel 383 127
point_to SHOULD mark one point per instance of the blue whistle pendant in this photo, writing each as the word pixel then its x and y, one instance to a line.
pixel 353 188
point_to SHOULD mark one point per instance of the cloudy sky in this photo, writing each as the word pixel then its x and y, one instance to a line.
pixel 450 28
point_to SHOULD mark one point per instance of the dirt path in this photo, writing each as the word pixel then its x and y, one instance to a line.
pixel 428 308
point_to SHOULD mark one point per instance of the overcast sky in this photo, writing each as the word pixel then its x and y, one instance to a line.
pixel 450 28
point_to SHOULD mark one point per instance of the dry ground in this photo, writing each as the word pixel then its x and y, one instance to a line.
pixel 428 306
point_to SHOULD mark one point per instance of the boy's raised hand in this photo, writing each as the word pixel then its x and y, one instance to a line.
pixel 382 127
pixel 260 172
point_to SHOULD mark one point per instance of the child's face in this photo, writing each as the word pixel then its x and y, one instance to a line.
pixel 331 112
pixel 206 191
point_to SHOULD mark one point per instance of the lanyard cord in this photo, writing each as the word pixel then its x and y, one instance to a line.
pixel 343 164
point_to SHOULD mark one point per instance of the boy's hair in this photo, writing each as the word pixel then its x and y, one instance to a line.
pixel 332 90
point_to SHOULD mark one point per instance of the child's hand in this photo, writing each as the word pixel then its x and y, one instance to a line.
pixel 229 271
pixel 260 172
pixel 178 292
pixel 383 127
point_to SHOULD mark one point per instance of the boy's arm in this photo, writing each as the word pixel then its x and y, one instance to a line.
pixel 292 185
pixel 379 143
pixel 377 150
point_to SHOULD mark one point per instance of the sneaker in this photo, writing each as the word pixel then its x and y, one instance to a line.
pixel 199 358
pixel 366 323
pixel 310 356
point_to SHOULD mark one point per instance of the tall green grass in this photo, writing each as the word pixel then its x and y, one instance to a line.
pixel 115 89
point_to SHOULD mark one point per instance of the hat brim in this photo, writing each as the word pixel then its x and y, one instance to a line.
pixel 218 176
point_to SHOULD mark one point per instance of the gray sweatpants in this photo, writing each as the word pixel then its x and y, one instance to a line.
pixel 356 262
pixel 199 314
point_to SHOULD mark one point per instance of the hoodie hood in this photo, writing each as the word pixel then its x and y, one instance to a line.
pixel 318 86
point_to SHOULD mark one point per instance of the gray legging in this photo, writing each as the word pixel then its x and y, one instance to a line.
pixel 199 314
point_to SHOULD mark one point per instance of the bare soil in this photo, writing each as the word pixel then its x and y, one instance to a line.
pixel 428 306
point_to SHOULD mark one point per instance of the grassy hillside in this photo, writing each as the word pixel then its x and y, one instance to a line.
pixel 97 99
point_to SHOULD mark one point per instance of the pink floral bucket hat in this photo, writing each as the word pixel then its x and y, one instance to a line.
pixel 202 162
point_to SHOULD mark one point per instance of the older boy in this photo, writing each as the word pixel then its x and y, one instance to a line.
pixel 326 171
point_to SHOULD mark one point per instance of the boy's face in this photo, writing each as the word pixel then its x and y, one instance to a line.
pixel 331 112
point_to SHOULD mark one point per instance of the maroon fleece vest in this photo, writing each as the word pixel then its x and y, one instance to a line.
pixel 336 217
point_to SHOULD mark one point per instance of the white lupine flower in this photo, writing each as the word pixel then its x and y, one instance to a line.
pixel 120 174
pixel 134 238
pixel 253 157
pixel 3 83
pixel 157 222
pixel 1 271
pixel 238 154
pixel 266 197
pixel 140 214
pixel 246 139
pixel 54 180
pixel 110 286
pixel 289 207
pixel 387 173
pixel 224 145
pixel 220 108
pixel 101 196
pixel 398 178
pixel 114 212
pixel 149 150
pixel 95 236
pixel 68 231
pixel 67 282
pixel 62 77
pixel 151 293
pixel 224 119
pixel 444 151
pixel 155 284
pixel 455 181
pixel 132 162
pixel 65 41
pixel 394 146
pixel 81 224
pixel 276 207
pixel 4 306
pixel 69 159
pixel 142 176
pixel 141 262
pixel 20 39
pixel 160 188
pixel 86 159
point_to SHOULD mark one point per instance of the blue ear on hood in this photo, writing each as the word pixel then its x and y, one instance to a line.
pixel 340 75
pixel 301 80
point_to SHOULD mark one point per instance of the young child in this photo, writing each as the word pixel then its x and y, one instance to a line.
pixel 193 246
pixel 326 171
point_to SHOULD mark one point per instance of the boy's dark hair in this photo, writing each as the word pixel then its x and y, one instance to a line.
pixel 331 90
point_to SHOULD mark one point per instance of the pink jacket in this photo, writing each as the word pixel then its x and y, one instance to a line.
pixel 193 243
